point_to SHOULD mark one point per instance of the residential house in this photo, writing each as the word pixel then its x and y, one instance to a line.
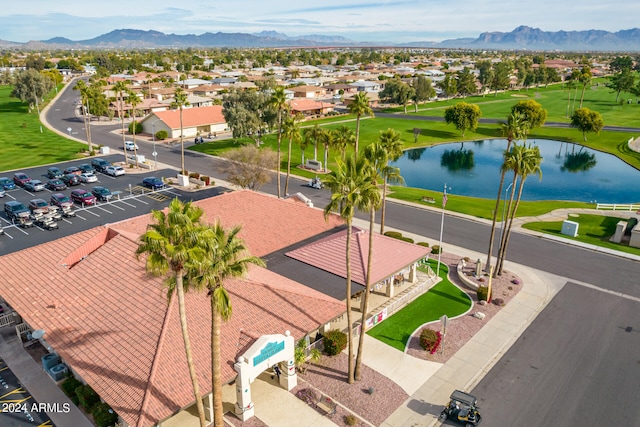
pixel 309 107
pixel 195 121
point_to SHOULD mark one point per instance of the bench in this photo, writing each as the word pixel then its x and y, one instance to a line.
pixel 428 199
pixel 326 405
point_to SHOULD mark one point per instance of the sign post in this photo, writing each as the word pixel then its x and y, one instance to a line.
pixel 444 320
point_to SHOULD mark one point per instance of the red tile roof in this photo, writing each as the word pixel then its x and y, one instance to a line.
pixel 308 105
pixel 389 256
pixel 111 322
pixel 191 117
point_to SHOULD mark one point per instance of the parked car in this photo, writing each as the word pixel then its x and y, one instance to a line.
pixel 56 185
pixel 38 205
pixel 83 197
pixel 20 179
pixel 54 172
pixel 71 179
pixel 100 164
pixel 61 200
pixel 88 177
pixel 86 168
pixel 72 170
pixel 153 183
pixel 114 170
pixel 130 146
pixel 18 213
pixel 34 185
pixel 102 193
pixel 2 192
pixel 7 184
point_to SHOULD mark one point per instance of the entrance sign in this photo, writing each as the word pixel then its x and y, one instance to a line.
pixel 268 351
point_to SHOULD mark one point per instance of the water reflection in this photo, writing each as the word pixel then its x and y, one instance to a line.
pixel 579 162
pixel 461 159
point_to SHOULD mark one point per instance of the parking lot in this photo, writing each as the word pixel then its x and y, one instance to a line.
pixel 130 199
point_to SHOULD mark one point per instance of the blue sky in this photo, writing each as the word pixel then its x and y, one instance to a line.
pixel 359 20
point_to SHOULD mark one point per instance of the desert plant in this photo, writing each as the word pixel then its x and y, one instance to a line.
pixel 483 293
pixel 300 356
pixel 334 342
pixel 350 420
pixel 430 340
pixel 103 415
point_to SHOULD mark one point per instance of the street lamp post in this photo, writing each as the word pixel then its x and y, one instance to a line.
pixel 153 139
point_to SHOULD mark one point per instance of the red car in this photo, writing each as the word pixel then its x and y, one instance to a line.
pixel 83 197
pixel 21 178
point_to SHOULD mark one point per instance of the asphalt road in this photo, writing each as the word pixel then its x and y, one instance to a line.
pixel 577 364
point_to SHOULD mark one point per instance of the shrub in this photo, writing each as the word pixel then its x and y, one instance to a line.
pixel 350 420
pixel 69 387
pixel 425 244
pixel 394 234
pixel 498 301
pixel 87 397
pixel 194 175
pixel 406 239
pixel 334 342
pixel 466 259
pixel 436 249
pixel 92 152
pixel 430 340
pixel 103 415
pixel 162 135
pixel 205 179
pixel 630 224
pixel 483 293
pixel 138 128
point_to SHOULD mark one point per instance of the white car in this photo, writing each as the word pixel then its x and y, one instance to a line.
pixel 114 170
pixel 88 177
pixel 130 146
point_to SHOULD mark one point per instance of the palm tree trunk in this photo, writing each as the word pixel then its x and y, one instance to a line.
pixel 508 231
pixel 326 156
pixel 187 348
pixel 133 128
pixel 584 87
pixel 367 292
pixel 279 151
pixel 502 251
pixel 182 171
pixel 216 376
pixel 357 136
pixel 495 215
pixel 286 181
pixel 350 378
pixel 384 202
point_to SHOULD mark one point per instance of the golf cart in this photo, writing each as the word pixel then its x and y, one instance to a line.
pixel 316 183
pixel 463 409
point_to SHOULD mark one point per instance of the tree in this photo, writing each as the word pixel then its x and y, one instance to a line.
pixel 343 137
pixel 524 161
pixel 466 82
pixel 179 102
pixel 585 79
pixel 173 243
pixel 621 63
pixel 291 131
pixel 501 78
pixel 31 86
pixel 249 167
pixel 514 129
pixel 279 101
pixel 423 91
pixel 448 85
pixel 485 75
pixel 390 142
pixel 359 107
pixel 397 92
pixel 134 101
pixel 229 259
pixel 314 135
pixel 120 88
pixel 464 116
pixel 349 184
pixel 532 114
pixel 586 120
pixel 242 110
pixel 82 87
pixel 621 82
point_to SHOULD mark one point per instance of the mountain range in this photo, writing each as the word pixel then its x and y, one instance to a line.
pixel 521 38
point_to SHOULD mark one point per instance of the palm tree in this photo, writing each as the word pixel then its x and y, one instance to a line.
pixel 327 141
pixel 348 184
pixel 525 161
pixel 342 138
pixel 120 87
pixel 180 101
pixel 314 135
pixel 515 128
pixel 279 102
pixel 291 131
pixel 134 101
pixel 392 145
pixel 378 160
pixel 359 107
pixel 82 87
pixel 173 244
pixel 584 78
pixel 227 260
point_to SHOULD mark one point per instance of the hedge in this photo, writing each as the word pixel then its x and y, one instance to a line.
pixel 334 342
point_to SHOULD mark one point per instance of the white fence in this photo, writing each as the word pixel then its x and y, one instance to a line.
pixel 617 207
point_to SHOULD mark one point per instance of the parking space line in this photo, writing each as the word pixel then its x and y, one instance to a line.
pixel 67 221
pixel 115 206
pixel 9 236
pixel 107 211
pixel 81 217
pixel 122 201
pixel 92 213
pixel 141 201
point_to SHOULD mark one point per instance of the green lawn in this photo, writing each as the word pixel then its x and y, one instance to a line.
pixel 592 229
pixel 444 298
pixel 25 142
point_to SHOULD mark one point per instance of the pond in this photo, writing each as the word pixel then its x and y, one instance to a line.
pixel 569 172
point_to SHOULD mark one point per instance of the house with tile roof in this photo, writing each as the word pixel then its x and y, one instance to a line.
pixel 309 107
pixel 195 121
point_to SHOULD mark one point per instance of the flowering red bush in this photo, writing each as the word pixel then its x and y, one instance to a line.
pixel 430 340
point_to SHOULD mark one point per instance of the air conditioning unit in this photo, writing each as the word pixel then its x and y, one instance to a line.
pixel 58 372
pixel 50 360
